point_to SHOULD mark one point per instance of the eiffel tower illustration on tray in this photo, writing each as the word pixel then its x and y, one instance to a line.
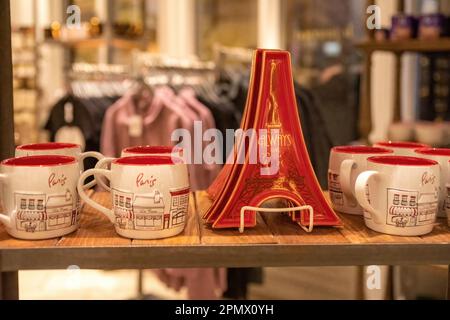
pixel 271 107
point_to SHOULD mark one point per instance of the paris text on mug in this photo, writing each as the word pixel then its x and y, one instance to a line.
pixel 59 148
pixel 399 194
pixel 442 156
pixel 40 199
pixel 150 196
pixel 138 151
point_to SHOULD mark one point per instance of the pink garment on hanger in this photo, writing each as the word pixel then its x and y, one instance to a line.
pixel 208 122
pixel 162 117
pixel 158 124
pixel 202 284
pixel 179 106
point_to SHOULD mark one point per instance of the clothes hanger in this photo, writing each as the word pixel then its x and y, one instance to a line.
pixel 142 91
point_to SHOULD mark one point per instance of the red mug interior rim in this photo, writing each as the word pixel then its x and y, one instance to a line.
pixel 402 161
pixel 150 150
pixel 361 150
pixel 434 152
pixel 48 146
pixel 39 161
pixel 402 144
pixel 148 161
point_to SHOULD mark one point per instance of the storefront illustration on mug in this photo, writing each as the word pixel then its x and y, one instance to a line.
pixel 39 212
pixel 336 194
pixel 411 209
pixel 147 211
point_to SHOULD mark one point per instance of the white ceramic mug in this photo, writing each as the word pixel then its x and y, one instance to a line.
pixel 62 149
pixel 401 148
pixel 401 131
pixel 431 133
pixel 399 194
pixel 150 196
pixel 40 196
pixel 137 152
pixel 346 163
pixel 441 156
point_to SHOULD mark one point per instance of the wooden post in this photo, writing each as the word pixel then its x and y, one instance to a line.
pixel 140 287
pixel 8 280
pixel 398 87
pixel 401 6
pixel 360 283
pixel 9 286
pixel 448 284
pixel 390 295
pixel 6 96
pixel 365 116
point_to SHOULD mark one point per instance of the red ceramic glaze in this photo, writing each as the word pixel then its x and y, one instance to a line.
pixel 402 161
pixel 39 161
pixel 271 105
pixel 48 146
pixel 443 152
pixel 401 144
pixel 230 170
pixel 150 150
pixel 361 150
pixel 146 161
pixel 217 187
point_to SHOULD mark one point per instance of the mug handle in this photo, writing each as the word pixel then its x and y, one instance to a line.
pixel 91 154
pixel 83 195
pixel 345 176
pixel 360 194
pixel 102 164
pixel 5 219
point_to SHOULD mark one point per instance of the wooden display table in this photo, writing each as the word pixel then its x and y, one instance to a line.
pixel 276 241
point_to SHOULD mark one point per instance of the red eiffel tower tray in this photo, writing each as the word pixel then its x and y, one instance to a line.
pixel 271 112
pixel 216 188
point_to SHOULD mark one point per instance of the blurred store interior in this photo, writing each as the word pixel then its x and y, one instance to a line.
pixel 347 93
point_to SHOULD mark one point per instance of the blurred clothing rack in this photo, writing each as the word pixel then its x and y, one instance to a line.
pixel 224 56
pixel 98 71
pixel 99 80
pixel 154 69
pixel 155 61
pixel 165 70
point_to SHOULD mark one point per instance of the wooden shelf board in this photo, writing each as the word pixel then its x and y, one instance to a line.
pixel 424 46
pixel 119 43
pixel 276 241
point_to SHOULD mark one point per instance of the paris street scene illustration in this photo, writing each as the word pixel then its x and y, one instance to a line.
pixel 147 211
pixel 42 212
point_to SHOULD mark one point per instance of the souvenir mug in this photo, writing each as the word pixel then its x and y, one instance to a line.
pixel 399 194
pixel 346 163
pixel 150 196
pixel 432 133
pixel 441 156
pixel 401 148
pixel 401 131
pixel 57 148
pixel 40 197
pixel 138 152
